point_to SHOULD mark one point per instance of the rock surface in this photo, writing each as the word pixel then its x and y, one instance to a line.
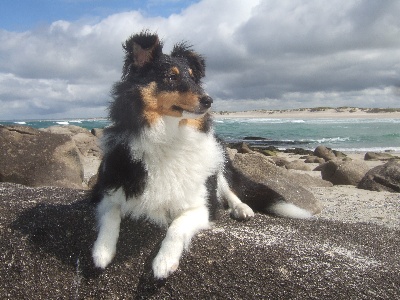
pixel 298 165
pixel 378 156
pixel 259 169
pixel 349 172
pixel 35 158
pixel 314 160
pixel 325 153
pixel 382 178
pixel 87 143
pixel 46 235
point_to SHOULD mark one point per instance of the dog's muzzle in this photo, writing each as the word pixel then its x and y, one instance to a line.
pixel 206 102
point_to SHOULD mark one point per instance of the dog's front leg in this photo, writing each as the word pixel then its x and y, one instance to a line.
pixel 178 237
pixel 109 220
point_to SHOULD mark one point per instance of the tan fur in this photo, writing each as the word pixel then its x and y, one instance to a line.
pixel 175 70
pixel 160 104
pixel 195 123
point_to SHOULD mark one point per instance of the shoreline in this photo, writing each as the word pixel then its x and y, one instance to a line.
pixel 301 113
pixel 309 113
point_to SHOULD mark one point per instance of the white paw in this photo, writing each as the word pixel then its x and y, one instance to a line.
pixel 242 212
pixel 102 255
pixel 164 264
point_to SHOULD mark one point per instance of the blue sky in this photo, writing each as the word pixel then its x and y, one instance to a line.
pixel 59 58
pixel 20 15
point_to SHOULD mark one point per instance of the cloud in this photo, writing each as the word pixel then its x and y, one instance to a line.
pixel 260 54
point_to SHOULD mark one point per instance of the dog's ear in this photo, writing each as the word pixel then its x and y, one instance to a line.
pixel 140 50
pixel 196 61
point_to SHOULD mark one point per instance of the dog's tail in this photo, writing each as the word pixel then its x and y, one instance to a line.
pixel 260 197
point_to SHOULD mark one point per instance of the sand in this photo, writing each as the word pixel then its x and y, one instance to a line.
pixel 349 204
pixel 309 113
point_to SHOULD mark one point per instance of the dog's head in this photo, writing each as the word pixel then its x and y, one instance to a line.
pixel 159 84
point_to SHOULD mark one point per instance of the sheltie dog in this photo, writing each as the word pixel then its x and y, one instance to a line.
pixel 162 161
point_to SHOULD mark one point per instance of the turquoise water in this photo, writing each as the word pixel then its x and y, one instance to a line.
pixel 339 134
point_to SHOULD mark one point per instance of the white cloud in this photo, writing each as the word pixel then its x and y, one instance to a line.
pixel 260 54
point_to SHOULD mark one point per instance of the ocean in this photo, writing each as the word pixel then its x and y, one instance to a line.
pixel 351 135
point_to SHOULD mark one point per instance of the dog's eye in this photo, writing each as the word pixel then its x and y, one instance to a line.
pixel 172 77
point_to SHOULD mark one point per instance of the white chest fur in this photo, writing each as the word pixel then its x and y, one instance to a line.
pixel 178 159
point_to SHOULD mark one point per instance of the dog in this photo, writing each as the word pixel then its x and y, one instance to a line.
pixel 162 161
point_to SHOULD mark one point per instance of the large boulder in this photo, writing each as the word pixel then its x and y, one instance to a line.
pixel 312 159
pixel 87 144
pixel 382 178
pixel 325 153
pixel 348 172
pixel 298 165
pixel 328 154
pixel 35 158
pixel 290 165
pixel 257 167
pixel 382 156
pixel 46 236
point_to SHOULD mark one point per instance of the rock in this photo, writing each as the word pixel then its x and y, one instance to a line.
pixel 92 181
pixel 46 235
pixel 35 158
pixel 259 169
pixel 340 154
pixel 314 160
pixel 244 148
pixel 86 142
pixel 240 147
pixel 254 138
pixel 382 156
pixel 382 178
pixel 290 165
pixel 298 151
pixel 298 165
pixel 325 153
pixel 97 132
pixel 231 153
pixel 280 161
pixel 343 172
pixel 88 145
pixel 267 152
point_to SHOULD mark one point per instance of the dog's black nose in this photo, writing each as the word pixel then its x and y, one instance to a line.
pixel 206 101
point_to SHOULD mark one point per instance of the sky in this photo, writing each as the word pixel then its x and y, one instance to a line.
pixel 59 58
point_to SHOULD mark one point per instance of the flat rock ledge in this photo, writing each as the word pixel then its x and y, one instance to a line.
pixel 47 234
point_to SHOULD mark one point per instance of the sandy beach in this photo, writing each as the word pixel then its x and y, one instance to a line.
pixel 311 113
pixel 347 203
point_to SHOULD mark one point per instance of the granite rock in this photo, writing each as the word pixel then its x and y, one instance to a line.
pixel 36 158
pixel 46 235
pixel 382 178
pixel 348 172
pixel 257 167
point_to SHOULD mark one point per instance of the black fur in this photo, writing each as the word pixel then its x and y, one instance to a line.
pixel 119 170
pixel 213 203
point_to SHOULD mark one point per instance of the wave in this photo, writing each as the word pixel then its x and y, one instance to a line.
pixel 331 140
pixel 20 123
pixel 62 122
